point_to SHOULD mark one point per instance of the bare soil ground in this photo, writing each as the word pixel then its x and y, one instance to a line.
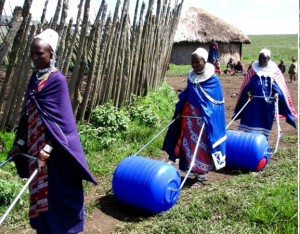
pixel 111 214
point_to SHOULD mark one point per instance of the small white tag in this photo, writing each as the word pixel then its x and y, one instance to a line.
pixel 20 142
pixel 48 148
pixel 219 160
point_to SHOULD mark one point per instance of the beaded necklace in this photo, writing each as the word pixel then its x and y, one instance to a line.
pixel 268 98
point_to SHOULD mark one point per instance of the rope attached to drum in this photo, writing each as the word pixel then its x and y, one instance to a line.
pixel 270 99
pixel 138 179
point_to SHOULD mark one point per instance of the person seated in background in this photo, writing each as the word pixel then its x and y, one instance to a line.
pixel 239 67
pixel 218 67
pixel 230 67
pixel 230 64
pixel 281 66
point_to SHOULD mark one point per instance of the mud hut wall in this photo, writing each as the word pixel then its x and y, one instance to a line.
pixel 89 84
pixel 181 52
pixel 229 50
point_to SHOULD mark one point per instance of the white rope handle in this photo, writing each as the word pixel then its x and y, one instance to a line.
pixel 18 196
pixel 278 124
pixel 156 136
pixel 193 159
pixel 249 99
pixel 279 132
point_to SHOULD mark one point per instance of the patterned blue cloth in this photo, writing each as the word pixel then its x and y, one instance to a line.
pixel 213 114
pixel 258 115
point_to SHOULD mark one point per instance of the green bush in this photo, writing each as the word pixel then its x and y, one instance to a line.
pixel 109 119
pixel 89 136
pixel 8 192
pixel 144 114
pixel 282 47
pixel 107 125
pixel 158 104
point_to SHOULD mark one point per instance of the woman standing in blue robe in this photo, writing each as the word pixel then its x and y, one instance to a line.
pixel 263 83
pixel 200 103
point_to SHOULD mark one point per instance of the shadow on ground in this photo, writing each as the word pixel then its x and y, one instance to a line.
pixel 111 206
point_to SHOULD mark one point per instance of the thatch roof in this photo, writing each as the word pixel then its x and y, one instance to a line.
pixel 197 25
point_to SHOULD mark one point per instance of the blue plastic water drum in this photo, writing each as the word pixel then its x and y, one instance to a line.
pixel 247 151
pixel 146 183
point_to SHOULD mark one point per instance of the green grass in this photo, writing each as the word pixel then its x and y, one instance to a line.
pixel 10 186
pixel 282 47
pixel 103 160
pixel 178 70
pixel 264 202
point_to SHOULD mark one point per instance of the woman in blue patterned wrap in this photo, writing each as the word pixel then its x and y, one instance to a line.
pixel 262 82
pixel 201 102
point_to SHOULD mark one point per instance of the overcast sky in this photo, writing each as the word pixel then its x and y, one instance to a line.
pixel 250 16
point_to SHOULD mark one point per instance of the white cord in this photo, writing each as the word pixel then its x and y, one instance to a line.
pixel 18 196
pixel 193 159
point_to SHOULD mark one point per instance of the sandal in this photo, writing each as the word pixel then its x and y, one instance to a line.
pixel 197 185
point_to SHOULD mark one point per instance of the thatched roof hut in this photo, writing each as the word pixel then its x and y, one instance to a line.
pixel 196 28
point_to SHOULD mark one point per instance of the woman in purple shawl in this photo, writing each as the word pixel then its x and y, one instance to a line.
pixel 47 130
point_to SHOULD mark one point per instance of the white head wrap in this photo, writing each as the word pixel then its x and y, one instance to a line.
pixel 201 53
pixel 266 52
pixel 50 36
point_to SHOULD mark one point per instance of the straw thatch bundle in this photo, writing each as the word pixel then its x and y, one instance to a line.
pixel 197 25
pixel 197 28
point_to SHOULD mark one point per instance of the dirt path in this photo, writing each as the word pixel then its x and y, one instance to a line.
pixel 111 214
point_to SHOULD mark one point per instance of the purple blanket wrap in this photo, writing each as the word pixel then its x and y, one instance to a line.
pixel 67 166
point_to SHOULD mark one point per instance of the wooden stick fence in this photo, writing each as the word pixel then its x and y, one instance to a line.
pixel 109 59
